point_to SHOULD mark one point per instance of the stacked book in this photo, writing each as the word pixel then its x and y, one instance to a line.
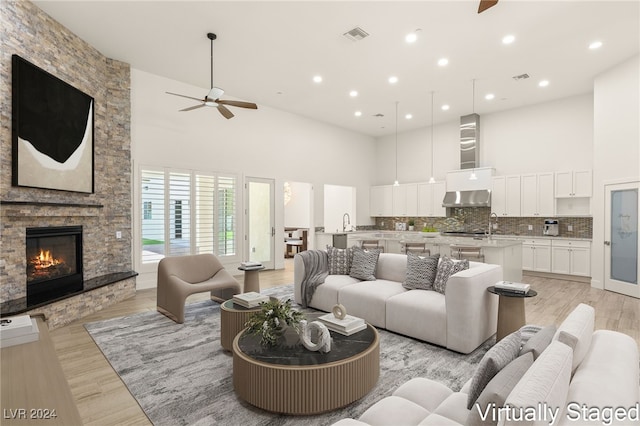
pixel 250 265
pixel 250 299
pixel 18 330
pixel 346 326
pixel 515 288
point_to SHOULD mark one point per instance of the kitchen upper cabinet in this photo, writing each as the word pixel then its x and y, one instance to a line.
pixel 571 257
pixel 536 255
pixel 574 184
pixel 381 201
pixel 505 195
pixel 430 196
pixel 537 194
pixel 405 200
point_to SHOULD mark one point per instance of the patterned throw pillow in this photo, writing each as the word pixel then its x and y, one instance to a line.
pixel 339 260
pixel 364 264
pixel 496 358
pixel 446 268
pixel 421 271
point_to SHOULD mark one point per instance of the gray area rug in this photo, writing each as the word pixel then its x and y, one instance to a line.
pixel 180 375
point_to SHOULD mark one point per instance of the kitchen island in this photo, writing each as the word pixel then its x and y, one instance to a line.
pixel 507 253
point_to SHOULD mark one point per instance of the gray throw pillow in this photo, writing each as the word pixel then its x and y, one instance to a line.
pixel 539 341
pixel 339 260
pixel 446 268
pixel 421 271
pixel 364 264
pixel 497 391
pixel 496 358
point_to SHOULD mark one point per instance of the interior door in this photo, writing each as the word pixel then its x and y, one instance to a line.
pixel 260 221
pixel 621 238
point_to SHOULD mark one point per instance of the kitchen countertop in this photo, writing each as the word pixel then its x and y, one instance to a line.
pixel 418 236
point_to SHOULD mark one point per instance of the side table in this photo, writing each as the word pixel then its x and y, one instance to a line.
pixel 511 315
pixel 251 278
pixel 232 321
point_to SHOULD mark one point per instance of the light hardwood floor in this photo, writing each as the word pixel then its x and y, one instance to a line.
pixel 103 399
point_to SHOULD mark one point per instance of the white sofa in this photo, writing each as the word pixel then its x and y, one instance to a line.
pixel 461 319
pixel 582 373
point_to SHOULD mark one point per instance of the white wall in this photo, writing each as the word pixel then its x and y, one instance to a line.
pixel 297 212
pixel 338 201
pixel 553 136
pixel 263 143
pixel 616 151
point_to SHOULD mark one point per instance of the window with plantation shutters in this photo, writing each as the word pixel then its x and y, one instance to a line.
pixel 187 212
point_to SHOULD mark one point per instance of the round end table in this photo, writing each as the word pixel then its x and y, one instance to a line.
pixel 511 315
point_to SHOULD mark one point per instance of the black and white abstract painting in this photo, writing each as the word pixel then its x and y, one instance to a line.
pixel 52 131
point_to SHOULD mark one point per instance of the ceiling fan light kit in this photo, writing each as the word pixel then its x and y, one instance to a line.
pixel 212 99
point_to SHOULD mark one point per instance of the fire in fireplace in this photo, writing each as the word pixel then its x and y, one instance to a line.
pixel 54 262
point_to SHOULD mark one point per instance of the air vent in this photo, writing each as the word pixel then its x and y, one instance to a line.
pixel 356 34
pixel 520 77
pixel 379 115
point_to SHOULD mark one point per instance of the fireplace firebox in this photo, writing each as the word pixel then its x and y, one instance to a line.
pixel 54 263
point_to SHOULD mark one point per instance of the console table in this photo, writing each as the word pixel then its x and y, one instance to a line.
pixel 290 379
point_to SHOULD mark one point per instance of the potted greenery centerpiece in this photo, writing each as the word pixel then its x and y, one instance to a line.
pixel 270 321
pixel 430 231
pixel 411 224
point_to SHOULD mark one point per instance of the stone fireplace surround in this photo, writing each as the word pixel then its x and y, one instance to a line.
pixel 107 269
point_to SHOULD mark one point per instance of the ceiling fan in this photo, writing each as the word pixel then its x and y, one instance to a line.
pixel 486 4
pixel 212 99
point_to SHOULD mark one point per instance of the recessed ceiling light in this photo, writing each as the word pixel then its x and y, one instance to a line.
pixel 393 79
pixel 489 96
pixel 317 79
pixel 408 116
pixel 595 45
pixel 353 93
pixel 358 114
pixel 445 107
pixel 508 39
pixel 543 83
pixel 411 37
pixel 443 62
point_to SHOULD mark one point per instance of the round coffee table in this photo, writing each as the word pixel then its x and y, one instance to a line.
pixel 232 321
pixel 511 315
pixel 288 378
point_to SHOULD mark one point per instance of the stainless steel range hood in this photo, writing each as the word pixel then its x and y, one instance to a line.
pixel 462 190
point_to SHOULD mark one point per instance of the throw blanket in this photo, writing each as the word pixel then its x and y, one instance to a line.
pixel 316 269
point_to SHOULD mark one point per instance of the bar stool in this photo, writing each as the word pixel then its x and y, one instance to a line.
pixel 371 244
pixel 467 252
pixel 416 248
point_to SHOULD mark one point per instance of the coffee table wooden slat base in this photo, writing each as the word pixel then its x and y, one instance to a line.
pixel 307 389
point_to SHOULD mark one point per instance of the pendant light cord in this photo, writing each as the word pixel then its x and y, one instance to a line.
pixel 396 181
pixel 211 63
pixel 432 174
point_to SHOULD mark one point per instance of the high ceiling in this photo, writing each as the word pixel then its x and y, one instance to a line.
pixel 268 52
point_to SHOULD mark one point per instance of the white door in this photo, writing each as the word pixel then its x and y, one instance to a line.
pixel 260 221
pixel 622 205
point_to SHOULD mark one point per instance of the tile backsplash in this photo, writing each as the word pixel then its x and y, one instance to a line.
pixel 477 219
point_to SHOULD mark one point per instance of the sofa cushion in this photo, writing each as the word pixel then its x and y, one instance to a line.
pixel 421 271
pixel 394 410
pixel 579 324
pixel 446 268
pixel 364 264
pixel 496 358
pixel 427 393
pixel 421 314
pixel 339 260
pixel 368 299
pixel 392 267
pixel 453 408
pixel 497 391
pixel 326 295
pixel 546 383
pixel 539 341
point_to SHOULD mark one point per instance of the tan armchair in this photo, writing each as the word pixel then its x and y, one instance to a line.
pixel 182 276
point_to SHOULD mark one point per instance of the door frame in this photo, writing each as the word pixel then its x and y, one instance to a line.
pixel 267 263
pixel 610 284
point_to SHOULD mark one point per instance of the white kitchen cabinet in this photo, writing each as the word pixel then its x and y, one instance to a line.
pixel 430 196
pixel 505 195
pixel 536 255
pixel 571 257
pixel 381 201
pixel 577 183
pixel 537 194
pixel 405 200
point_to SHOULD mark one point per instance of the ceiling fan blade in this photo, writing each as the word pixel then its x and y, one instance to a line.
pixel 193 107
pixel 184 96
pixel 225 111
pixel 486 4
pixel 240 104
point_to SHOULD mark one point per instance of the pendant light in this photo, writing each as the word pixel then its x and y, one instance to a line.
pixel 432 179
pixel 396 183
pixel 473 111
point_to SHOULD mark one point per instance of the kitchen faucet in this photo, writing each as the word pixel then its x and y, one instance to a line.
pixel 348 218
pixel 491 217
